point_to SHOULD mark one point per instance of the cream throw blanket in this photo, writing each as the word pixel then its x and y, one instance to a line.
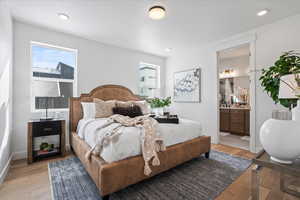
pixel 151 143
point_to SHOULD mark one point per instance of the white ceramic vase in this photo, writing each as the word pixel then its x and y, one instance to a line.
pixel 281 139
pixel 158 111
pixel 166 109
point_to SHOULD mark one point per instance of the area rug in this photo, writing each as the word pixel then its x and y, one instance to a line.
pixel 199 179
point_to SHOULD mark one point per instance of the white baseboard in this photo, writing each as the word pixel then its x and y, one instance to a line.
pixel 214 140
pixel 5 170
pixel 19 155
pixel 258 149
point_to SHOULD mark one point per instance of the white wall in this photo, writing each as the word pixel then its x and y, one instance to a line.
pixel 272 40
pixel 205 111
pixel 242 82
pixel 5 90
pixel 98 64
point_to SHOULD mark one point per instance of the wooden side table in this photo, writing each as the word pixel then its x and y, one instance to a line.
pixel 40 128
pixel 264 160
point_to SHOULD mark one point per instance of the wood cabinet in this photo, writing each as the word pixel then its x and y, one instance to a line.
pixel 225 120
pixel 36 129
pixel 235 121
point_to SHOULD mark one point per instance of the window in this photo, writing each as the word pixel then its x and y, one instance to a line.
pixel 53 76
pixel 149 80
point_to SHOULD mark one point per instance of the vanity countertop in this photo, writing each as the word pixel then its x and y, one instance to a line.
pixel 236 108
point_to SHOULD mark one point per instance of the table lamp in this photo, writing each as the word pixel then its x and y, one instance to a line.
pixel 46 89
pixel 290 89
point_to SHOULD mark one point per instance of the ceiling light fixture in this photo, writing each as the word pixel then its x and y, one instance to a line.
pixel 157 12
pixel 63 16
pixel 262 12
pixel 168 49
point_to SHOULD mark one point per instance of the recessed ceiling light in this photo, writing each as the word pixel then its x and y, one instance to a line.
pixel 63 16
pixel 168 49
pixel 157 12
pixel 262 12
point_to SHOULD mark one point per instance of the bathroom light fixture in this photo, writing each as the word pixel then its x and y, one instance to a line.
pixel 228 71
pixel 63 16
pixel 157 12
pixel 262 12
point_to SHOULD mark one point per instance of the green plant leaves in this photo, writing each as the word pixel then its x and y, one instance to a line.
pixel 158 103
pixel 288 63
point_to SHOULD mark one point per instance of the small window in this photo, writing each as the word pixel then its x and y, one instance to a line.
pixel 53 76
pixel 149 80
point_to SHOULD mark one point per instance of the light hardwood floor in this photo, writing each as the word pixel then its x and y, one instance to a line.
pixel 31 182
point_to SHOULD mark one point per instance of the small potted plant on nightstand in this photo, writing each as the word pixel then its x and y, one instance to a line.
pixel 158 105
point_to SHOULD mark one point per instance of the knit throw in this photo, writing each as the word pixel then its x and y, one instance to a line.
pixel 151 143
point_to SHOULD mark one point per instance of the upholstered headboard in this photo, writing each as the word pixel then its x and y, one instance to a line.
pixel 105 92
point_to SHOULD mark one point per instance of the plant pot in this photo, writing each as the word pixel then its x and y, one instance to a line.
pixel 158 111
pixel 166 109
pixel 280 139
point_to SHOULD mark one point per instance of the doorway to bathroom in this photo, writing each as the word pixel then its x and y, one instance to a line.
pixel 234 97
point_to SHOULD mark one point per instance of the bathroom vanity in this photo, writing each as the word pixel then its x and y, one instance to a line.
pixel 235 120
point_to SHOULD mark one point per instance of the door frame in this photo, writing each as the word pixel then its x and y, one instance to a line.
pixel 231 43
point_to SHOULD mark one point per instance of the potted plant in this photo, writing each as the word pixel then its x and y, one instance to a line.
pixel 158 104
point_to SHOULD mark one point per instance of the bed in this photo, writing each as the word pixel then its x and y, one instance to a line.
pixel 113 172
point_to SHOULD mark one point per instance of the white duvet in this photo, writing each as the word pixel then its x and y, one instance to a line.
pixel 128 143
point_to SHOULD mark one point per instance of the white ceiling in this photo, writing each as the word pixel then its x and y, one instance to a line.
pixel 189 23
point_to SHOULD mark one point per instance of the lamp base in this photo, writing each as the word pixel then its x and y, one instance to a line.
pixel 296 112
pixel 281 161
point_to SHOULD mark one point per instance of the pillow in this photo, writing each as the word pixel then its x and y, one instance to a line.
pixel 89 111
pixel 104 108
pixel 132 111
pixel 144 105
pixel 124 104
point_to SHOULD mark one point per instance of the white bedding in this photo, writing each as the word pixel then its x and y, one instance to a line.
pixel 128 144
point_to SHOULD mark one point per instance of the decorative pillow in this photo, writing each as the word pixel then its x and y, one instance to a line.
pixel 89 111
pixel 144 105
pixel 124 104
pixel 104 108
pixel 132 111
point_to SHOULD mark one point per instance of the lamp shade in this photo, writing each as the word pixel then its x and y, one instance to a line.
pixel 45 88
pixel 285 90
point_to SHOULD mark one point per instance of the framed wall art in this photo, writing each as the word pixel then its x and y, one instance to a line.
pixel 187 86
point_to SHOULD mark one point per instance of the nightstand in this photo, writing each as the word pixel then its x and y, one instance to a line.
pixel 51 133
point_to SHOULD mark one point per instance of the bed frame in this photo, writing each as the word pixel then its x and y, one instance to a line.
pixel 111 177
